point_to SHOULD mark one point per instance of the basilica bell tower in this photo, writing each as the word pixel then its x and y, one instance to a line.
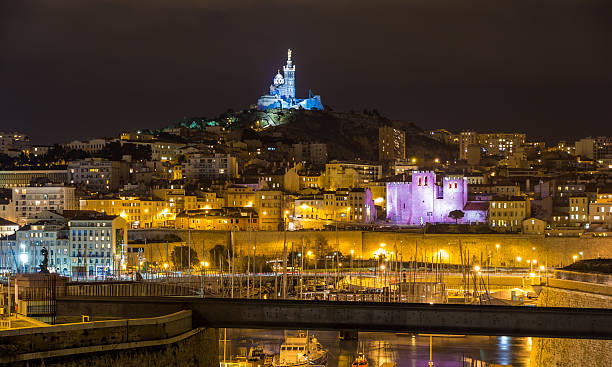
pixel 289 73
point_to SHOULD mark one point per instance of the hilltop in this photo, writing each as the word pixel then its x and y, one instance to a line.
pixel 348 135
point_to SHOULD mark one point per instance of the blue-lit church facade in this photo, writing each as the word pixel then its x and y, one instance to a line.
pixel 282 92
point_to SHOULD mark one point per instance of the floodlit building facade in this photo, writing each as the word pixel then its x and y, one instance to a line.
pixel 423 200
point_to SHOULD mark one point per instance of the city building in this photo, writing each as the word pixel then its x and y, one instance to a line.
pixel 51 235
pixel 402 166
pixel 533 226
pixel 10 179
pixel 33 199
pixel 300 177
pixel 225 219
pixel 97 243
pixel 501 144
pixel 493 144
pixel 350 174
pixel 90 146
pixel 595 148
pixel 176 201
pixel 506 214
pixel 351 205
pixel 7 227
pixel 600 211
pixel 7 209
pixel 343 205
pixel 165 151
pixel 200 166
pixel 443 136
pixel 314 153
pixel 137 212
pixel 310 212
pixel 423 201
pixel 391 144
pixel 466 139
pixel 579 210
pixel 13 142
pixel 239 196
pixel 98 174
pixel 274 208
pixel 37 150
pixel 282 92
pixel 210 200
pixel 474 154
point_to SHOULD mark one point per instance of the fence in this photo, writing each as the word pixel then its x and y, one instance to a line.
pixel 127 289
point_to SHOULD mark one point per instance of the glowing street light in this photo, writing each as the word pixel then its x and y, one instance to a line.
pixel 518 259
pixel 575 257
pixel 476 268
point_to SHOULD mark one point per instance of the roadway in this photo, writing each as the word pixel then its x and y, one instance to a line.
pixel 555 322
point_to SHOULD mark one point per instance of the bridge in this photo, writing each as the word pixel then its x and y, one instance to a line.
pixel 548 322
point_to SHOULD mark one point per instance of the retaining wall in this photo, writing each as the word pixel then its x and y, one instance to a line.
pixel 572 352
pixel 40 339
pixel 553 252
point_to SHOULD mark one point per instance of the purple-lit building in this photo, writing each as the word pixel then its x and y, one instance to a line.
pixel 426 201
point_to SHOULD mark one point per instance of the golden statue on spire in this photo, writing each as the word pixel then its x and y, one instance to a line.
pixel 289 54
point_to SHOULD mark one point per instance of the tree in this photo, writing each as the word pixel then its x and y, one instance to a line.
pixel 218 254
pixel 456 215
pixel 180 257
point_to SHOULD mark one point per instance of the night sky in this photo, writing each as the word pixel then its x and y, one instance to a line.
pixel 85 68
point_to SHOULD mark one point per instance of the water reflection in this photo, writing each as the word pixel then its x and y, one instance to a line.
pixel 403 349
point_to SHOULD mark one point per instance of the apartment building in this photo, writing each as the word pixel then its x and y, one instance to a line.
pixel 33 199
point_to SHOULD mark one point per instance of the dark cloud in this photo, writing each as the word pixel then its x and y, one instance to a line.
pixel 73 69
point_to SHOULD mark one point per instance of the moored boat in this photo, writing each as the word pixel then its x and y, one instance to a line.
pixel 360 361
pixel 300 350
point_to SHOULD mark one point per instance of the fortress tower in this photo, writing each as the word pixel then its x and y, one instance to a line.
pixel 424 200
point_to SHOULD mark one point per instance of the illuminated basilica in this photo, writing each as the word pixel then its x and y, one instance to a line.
pixel 282 92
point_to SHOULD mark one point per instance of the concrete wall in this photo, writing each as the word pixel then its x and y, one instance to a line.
pixel 571 352
pixel 29 340
pixel 553 252
pixel 200 348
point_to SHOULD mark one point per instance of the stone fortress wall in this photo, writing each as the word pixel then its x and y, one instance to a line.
pixel 572 352
pixel 552 252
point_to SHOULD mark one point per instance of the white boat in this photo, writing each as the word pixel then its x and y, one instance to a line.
pixel 300 350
